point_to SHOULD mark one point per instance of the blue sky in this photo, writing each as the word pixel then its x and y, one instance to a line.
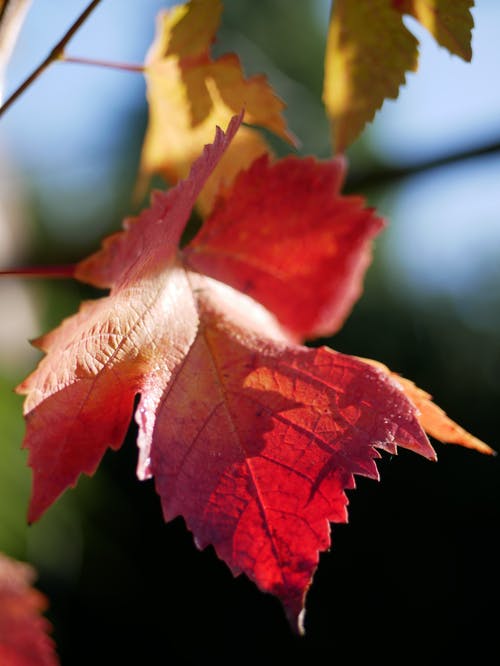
pixel 72 108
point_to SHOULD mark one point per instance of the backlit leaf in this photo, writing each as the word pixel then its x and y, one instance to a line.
pixel 252 438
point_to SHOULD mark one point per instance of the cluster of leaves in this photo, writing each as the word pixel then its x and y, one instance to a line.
pixel 251 436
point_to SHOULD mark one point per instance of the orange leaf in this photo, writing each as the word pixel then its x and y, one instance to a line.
pixel 190 93
pixel 432 418
pixel 24 639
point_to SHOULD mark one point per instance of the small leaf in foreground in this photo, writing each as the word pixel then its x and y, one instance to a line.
pixel 252 438
pixel 24 632
pixel 369 51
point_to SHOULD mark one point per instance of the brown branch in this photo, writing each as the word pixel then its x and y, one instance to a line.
pixel 55 54
pixel 384 175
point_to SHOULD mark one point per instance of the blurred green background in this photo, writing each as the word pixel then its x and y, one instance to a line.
pixel 415 573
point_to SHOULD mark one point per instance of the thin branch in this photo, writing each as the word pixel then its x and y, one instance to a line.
pixel 55 54
pixel 122 66
pixel 382 175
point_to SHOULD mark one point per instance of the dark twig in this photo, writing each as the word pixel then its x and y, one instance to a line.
pixel 384 175
pixel 55 54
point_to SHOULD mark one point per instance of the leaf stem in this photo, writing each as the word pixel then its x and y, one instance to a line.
pixel 102 63
pixel 55 54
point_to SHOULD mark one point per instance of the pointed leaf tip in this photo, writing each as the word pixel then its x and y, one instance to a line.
pixel 137 246
pixel 432 418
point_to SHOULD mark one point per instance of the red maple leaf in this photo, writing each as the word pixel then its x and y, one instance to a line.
pixel 24 639
pixel 251 437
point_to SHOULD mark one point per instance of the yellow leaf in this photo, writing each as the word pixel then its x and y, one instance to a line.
pixel 449 21
pixel 195 24
pixel 190 93
pixel 369 50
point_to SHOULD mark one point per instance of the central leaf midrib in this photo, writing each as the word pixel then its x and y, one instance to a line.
pixel 233 420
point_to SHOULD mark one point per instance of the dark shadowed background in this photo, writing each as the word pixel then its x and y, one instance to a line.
pixel 415 572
